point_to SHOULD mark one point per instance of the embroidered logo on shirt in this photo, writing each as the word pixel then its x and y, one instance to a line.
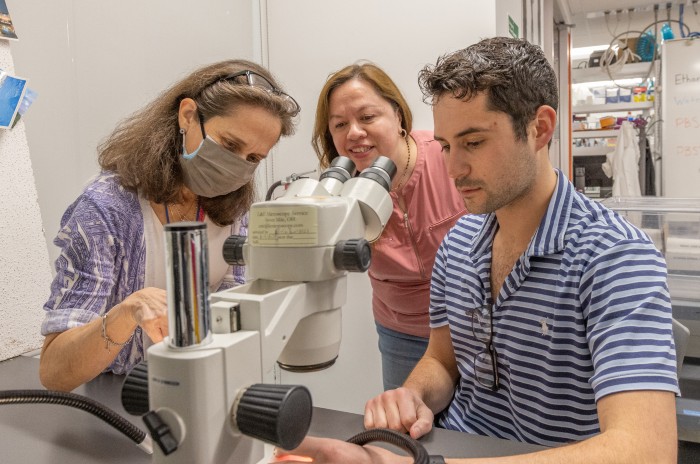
pixel 544 326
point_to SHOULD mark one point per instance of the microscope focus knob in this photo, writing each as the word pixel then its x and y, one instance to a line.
pixel 352 255
pixel 233 250
pixel 135 390
pixel 277 414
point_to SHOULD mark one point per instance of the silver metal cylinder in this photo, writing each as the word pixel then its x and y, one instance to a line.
pixel 187 284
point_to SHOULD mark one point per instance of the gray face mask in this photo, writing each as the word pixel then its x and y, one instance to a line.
pixel 211 170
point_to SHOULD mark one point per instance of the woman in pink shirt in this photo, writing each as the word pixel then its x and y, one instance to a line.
pixel 361 114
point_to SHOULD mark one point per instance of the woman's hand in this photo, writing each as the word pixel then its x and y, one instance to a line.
pixel 149 309
pixel 77 355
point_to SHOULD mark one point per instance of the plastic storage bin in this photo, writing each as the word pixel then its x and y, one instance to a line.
pixel 625 95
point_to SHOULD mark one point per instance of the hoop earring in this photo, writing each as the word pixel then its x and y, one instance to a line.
pixel 403 133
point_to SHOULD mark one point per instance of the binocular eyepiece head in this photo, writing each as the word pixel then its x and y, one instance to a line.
pixel 343 169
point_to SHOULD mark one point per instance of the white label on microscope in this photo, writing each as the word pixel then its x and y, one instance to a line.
pixel 283 225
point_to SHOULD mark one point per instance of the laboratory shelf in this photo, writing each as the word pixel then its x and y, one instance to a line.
pixel 594 134
pixel 596 150
pixel 613 107
pixel 628 71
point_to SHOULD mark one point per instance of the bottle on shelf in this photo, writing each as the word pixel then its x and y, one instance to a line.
pixel 639 94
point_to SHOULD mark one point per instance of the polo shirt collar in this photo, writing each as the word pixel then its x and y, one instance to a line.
pixel 551 233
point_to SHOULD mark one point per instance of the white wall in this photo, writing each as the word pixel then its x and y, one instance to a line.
pixel 24 262
pixel 512 8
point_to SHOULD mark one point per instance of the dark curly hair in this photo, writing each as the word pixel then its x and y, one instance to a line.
pixel 514 74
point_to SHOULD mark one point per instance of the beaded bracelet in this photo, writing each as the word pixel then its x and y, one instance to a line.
pixel 105 337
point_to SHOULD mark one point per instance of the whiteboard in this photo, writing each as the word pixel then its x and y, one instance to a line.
pixel 680 112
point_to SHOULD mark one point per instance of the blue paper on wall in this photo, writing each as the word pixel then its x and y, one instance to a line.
pixel 11 93
pixel 29 97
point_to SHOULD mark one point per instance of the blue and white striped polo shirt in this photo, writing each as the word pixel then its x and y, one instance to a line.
pixel 584 313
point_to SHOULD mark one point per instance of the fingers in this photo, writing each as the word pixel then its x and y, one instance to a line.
pixel 383 412
pixel 375 416
pixel 154 298
pixel 155 330
pixel 149 310
pixel 375 413
pixel 399 410
pixel 423 423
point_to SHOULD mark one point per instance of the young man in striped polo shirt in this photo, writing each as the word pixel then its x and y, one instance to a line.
pixel 550 314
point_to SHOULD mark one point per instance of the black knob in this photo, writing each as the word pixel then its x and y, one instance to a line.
pixel 233 250
pixel 277 414
pixel 135 390
pixel 352 255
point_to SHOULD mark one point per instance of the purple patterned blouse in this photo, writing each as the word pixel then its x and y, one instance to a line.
pixel 102 261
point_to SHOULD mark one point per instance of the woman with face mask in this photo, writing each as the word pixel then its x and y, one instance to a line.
pixel 189 155
pixel 361 114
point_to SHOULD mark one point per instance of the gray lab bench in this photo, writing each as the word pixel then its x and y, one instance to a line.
pixel 45 433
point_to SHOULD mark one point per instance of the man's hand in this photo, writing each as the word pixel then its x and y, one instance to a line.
pixel 330 451
pixel 401 410
pixel 149 309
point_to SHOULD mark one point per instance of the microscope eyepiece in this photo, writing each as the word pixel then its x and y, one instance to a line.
pixel 382 171
pixel 342 169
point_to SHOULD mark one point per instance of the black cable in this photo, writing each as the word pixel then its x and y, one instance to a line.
pixel 294 177
pixel 75 401
pixel 420 455
pixel 271 190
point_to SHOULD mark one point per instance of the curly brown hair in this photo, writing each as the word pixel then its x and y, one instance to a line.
pixel 143 149
pixel 514 74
